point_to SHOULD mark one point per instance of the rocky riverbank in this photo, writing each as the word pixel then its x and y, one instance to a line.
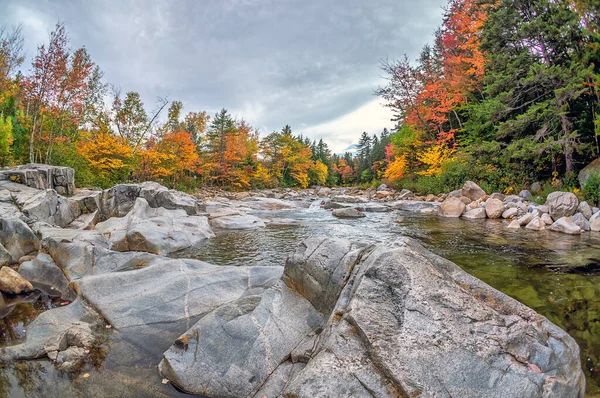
pixel 340 319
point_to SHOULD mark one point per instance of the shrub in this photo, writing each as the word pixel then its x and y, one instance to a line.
pixel 591 188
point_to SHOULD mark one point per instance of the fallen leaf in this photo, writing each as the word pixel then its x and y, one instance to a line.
pixel 165 381
pixel 108 326
pixel 86 375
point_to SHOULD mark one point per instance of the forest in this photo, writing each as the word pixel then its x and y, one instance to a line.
pixel 506 95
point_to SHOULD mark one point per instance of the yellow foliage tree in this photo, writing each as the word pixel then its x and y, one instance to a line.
pixel 318 173
pixel 434 157
pixel 397 168
pixel 107 154
pixel 262 178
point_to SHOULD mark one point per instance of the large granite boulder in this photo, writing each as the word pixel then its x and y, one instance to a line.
pixel 45 275
pixel 472 191
pixel 562 204
pixel 42 177
pixel 585 173
pixel 452 207
pixel 16 240
pixel 385 320
pixel 155 230
pixel 494 208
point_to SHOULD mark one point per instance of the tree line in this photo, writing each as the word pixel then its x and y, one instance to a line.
pixel 61 111
pixel 507 94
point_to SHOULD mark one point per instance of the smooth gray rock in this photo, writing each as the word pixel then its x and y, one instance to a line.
pixel 16 240
pixel 159 196
pixel 565 225
pixel 510 213
pixel 497 195
pixel 562 204
pixel 382 187
pixel 369 208
pixel 267 204
pixel 585 209
pixel 44 274
pixel 525 219
pixel 525 194
pixel 48 206
pixel 547 219
pixel 477 213
pixel 405 194
pixel 155 230
pixel 349 212
pixel 512 199
pixel 416 206
pixel 334 205
pixel 581 221
pixel 452 207
pixel 472 191
pixel 396 312
pixel 237 221
pixel 119 200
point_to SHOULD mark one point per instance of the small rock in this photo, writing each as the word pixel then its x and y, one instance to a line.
pixel 348 213
pixel 525 219
pixel 565 225
pixel 13 283
pixel 514 224
pixel 465 200
pixel 497 195
pixel 543 209
pixel 536 224
pixel 525 194
pixel 547 219
pixel 510 213
pixel 476 213
pixel 494 207
pixel 585 209
pixel 581 221
pixel 382 187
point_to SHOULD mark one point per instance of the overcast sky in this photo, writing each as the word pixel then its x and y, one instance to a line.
pixel 312 64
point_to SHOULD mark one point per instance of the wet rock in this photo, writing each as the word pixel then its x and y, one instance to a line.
pixel 476 213
pixel 547 219
pixel 349 199
pixel 267 204
pixel 42 177
pixel 565 225
pixel 472 190
pixel 536 224
pixel 389 324
pixel 585 209
pixel 238 221
pixel 348 213
pixel 581 221
pixel 510 213
pixel 494 208
pixel 452 207
pixel 16 240
pixel 415 206
pixel 155 230
pixel 45 275
pixel 13 283
pixel 562 204
pixel 333 205
pixel 514 224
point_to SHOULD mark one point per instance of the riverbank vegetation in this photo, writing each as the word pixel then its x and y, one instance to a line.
pixel 507 95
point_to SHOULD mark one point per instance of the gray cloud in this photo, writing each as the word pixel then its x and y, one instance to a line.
pixel 274 62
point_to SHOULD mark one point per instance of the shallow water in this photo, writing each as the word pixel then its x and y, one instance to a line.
pixel 557 275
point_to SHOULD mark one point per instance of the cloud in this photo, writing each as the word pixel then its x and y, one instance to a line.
pixel 273 62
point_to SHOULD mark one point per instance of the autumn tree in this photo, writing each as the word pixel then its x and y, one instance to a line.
pixel 109 156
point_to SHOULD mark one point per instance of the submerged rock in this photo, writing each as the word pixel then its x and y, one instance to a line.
pixel 349 212
pixel 374 321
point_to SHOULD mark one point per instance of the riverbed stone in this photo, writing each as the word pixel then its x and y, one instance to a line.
pixel 155 230
pixel 497 195
pixel 349 199
pixel 595 222
pixel 389 325
pixel 405 194
pixel 477 213
pixel 525 194
pixel 44 274
pixel 585 209
pixel 452 207
pixel 547 219
pixel 514 224
pixel 237 221
pixel 349 212
pixel 416 206
pixel 581 221
pixel 512 199
pixel 565 225
pixel 525 219
pixel 536 224
pixel 510 212
pixel 472 190
pixel 13 283
pixel 494 208
pixel 16 240
pixel 562 204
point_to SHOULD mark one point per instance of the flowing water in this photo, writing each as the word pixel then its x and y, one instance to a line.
pixel 555 274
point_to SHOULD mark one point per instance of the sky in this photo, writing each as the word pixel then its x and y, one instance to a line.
pixel 312 64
